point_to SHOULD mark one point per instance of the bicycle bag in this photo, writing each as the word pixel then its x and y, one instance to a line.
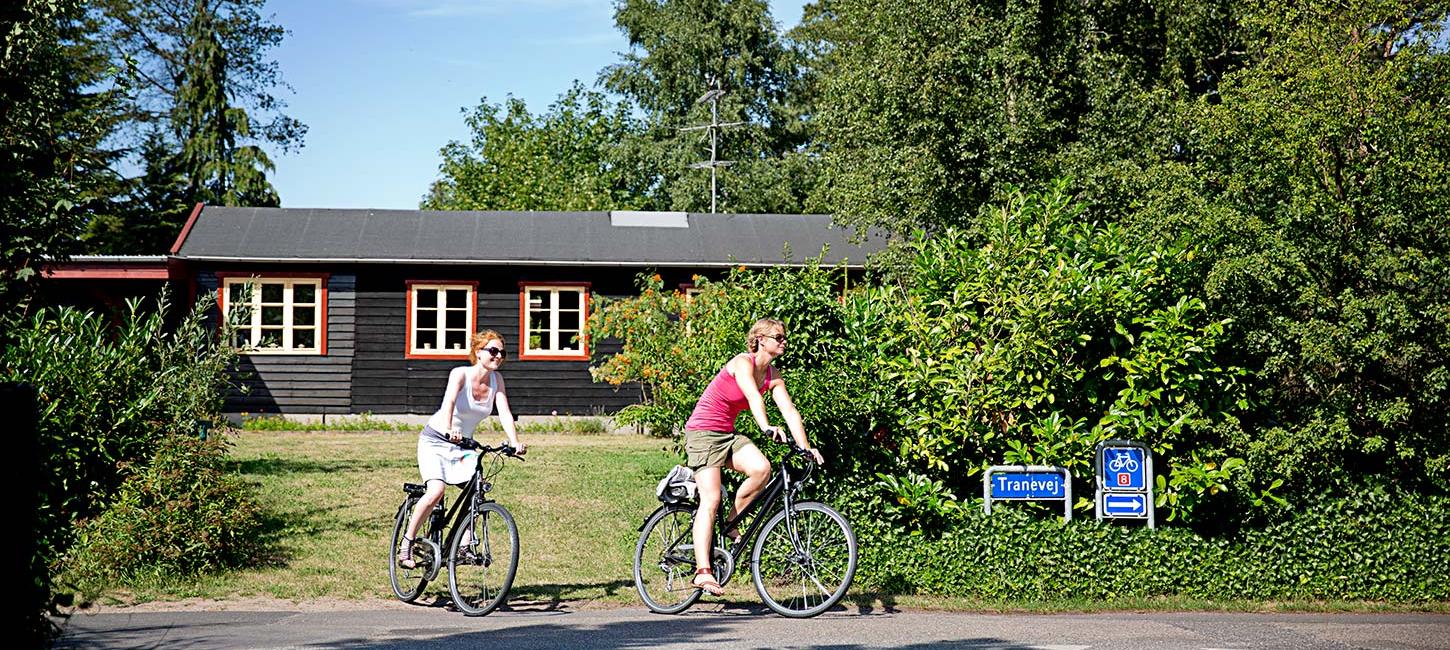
pixel 677 486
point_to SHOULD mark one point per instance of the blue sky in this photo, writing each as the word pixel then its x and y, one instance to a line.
pixel 380 83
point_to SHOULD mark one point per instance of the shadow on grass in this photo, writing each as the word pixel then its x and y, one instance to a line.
pixel 289 466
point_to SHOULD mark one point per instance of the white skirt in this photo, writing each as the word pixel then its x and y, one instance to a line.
pixel 445 461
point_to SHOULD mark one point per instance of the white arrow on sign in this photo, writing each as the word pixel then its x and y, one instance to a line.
pixel 1123 504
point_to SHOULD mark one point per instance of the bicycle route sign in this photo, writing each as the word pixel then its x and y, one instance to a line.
pixel 1124 481
pixel 1028 483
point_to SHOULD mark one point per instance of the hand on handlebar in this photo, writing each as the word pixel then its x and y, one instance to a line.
pixel 779 435
pixel 776 433
pixel 815 454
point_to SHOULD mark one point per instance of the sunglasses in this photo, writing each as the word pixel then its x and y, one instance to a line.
pixel 779 338
pixel 496 352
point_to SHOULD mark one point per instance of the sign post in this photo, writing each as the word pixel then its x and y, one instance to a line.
pixel 1028 483
pixel 1124 481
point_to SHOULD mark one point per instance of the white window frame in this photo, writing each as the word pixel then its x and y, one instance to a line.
pixel 471 308
pixel 550 349
pixel 253 328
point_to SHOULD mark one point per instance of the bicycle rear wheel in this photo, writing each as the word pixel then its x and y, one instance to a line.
pixel 803 569
pixel 481 566
pixel 409 583
pixel 664 561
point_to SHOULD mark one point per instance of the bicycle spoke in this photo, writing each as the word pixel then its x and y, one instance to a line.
pixel 664 562
pixel 805 563
pixel 483 559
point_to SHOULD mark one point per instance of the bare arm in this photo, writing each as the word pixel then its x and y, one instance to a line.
pixel 456 379
pixel 792 418
pixel 506 418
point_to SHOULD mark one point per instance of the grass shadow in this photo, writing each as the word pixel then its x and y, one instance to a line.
pixel 293 466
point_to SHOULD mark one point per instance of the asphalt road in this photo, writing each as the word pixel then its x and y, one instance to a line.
pixel 733 626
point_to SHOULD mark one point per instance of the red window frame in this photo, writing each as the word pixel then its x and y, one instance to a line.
pixel 524 354
pixel 322 278
pixel 408 352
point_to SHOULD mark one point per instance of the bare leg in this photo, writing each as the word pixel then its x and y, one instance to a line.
pixel 423 508
pixel 753 464
pixel 707 485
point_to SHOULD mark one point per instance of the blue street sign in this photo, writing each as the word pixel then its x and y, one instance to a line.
pixel 1124 480
pixel 1028 485
pixel 1028 482
pixel 1123 469
pixel 1125 505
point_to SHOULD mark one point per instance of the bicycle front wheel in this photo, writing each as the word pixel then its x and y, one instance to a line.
pixel 664 561
pixel 409 583
pixel 804 563
pixel 482 560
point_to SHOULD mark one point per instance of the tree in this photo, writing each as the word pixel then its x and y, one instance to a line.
pixel 55 108
pixel 216 167
pixel 568 158
pixel 931 108
pixel 149 216
pixel 151 40
pixel 1318 183
pixel 200 76
pixel 679 49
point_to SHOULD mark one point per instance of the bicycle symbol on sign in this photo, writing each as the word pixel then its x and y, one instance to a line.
pixel 1123 461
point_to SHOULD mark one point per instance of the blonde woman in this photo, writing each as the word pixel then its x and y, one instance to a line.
pixel 711 442
pixel 472 394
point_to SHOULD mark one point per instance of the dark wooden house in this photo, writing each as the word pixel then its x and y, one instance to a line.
pixel 365 311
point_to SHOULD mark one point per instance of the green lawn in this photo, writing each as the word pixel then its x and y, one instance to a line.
pixel 578 499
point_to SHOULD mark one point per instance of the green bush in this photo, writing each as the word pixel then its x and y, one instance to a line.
pixel 181 513
pixel 1374 546
pixel 1038 335
pixel 111 389
pixel 108 394
pixel 672 347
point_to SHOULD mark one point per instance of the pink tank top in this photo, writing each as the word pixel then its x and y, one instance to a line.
pixel 721 402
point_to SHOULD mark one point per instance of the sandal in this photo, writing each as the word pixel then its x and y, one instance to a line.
pixel 708 585
pixel 405 556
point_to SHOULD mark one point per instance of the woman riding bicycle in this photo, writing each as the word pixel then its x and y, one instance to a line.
pixel 473 392
pixel 712 443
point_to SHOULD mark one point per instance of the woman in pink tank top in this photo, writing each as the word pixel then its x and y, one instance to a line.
pixel 711 442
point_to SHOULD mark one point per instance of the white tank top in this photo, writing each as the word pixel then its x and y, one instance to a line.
pixel 468 413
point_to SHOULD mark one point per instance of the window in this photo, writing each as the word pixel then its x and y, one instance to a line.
pixel 553 318
pixel 277 315
pixel 440 319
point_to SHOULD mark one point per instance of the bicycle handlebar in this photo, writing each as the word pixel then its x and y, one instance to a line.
pixel 502 448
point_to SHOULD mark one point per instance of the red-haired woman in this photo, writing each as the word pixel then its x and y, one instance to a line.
pixel 472 394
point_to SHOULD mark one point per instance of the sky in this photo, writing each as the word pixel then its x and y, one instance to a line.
pixel 381 84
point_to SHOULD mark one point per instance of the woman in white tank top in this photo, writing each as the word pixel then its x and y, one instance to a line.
pixel 473 392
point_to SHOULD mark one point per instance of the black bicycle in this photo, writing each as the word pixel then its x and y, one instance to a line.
pixel 803 557
pixel 481 544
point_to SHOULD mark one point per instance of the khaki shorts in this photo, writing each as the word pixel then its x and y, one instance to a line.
pixel 712 448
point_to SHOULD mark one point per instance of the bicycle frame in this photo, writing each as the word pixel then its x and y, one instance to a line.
pixel 475 491
pixel 779 487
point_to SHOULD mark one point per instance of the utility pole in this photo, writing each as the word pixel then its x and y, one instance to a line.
pixel 713 128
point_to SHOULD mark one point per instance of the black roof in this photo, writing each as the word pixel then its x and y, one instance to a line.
pixel 575 238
